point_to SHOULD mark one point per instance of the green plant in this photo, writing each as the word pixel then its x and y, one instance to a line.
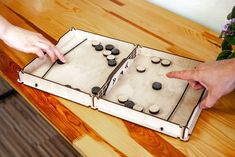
pixel 228 35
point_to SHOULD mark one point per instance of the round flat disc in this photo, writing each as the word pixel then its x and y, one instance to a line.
pixel 140 68
pixel 111 57
pixel 99 48
pixel 109 47
pixel 155 60
pixel 115 51
pixel 122 98
pixel 106 53
pixel 94 43
pixel 95 90
pixel 166 62
pixel 129 104
pixel 154 109
pixel 112 63
pixel 157 85
pixel 138 107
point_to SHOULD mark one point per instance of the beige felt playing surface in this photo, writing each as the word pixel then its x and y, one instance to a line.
pixel 138 86
pixel 85 67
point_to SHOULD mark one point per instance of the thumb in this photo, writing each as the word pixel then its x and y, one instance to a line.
pixel 209 101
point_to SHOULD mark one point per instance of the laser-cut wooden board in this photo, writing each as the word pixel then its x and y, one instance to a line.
pixel 86 68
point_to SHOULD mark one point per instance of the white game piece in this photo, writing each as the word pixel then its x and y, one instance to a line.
pixel 106 53
pixel 122 98
pixel 95 43
pixel 138 107
pixel 165 62
pixel 154 109
pixel 155 60
pixel 140 68
pixel 111 57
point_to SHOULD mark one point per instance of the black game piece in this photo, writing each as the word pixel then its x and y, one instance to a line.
pixel 129 104
pixel 99 47
pixel 109 47
pixel 112 63
pixel 115 51
pixel 157 85
pixel 59 61
pixel 95 90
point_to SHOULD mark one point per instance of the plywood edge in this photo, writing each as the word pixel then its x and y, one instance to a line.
pixel 55 88
pixel 145 120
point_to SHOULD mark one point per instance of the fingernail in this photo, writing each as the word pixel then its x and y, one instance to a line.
pixel 202 107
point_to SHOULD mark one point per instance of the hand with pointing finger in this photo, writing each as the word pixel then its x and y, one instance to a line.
pixel 27 41
pixel 217 77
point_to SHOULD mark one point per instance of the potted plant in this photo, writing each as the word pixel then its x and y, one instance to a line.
pixel 228 35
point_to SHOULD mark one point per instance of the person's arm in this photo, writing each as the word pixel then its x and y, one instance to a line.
pixel 27 41
pixel 217 77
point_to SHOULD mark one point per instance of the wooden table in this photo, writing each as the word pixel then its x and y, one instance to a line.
pixel 96 134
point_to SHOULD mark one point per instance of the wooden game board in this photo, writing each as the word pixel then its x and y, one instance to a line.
pixel 86 68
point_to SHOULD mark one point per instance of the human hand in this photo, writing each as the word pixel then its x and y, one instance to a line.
pixel 30 42
pixel 218 77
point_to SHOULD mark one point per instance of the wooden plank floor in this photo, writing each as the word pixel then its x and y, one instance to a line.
pixel 23 132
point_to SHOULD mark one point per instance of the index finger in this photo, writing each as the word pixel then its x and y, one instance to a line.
pixel 183 75
pixel 59 55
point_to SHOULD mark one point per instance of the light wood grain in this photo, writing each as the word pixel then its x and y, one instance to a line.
pixel 61 117
pixel 133 21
